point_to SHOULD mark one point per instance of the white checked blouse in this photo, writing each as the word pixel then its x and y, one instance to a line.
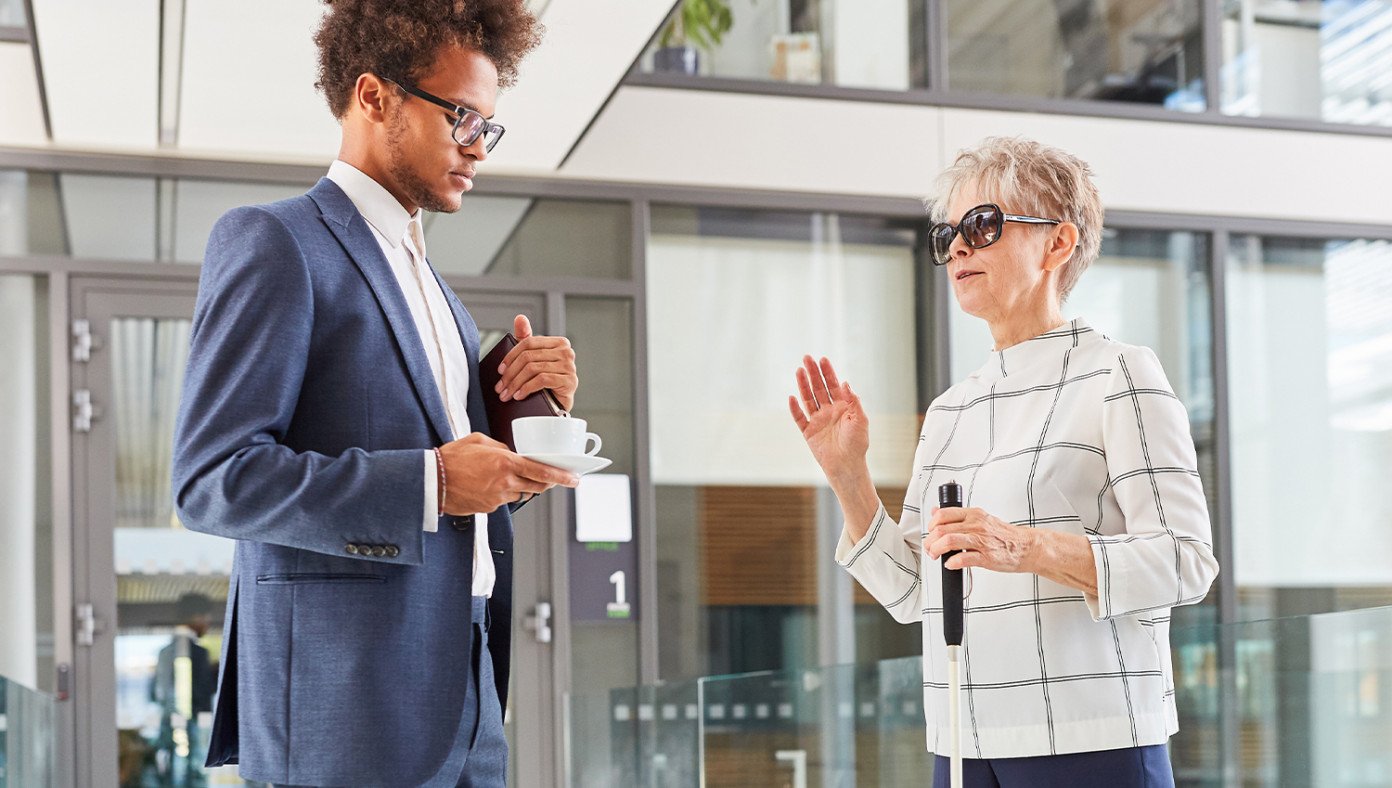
pixel 1074 432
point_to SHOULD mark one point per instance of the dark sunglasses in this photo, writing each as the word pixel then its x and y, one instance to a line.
pixel 980 227
pixel 468 124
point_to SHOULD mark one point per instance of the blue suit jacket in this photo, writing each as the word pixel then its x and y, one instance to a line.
pixel 306 409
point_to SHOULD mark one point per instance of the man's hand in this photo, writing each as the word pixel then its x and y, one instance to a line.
pixel 484 474
pixel 538 363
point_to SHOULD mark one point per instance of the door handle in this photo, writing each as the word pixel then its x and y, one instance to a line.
pixel 84 411
pixel 540 622
pixel 87 624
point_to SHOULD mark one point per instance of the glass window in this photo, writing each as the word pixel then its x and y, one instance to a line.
pixel 26 511
pixel 31 214
pixel 12 13
pixel 520 236
pixel 1310 360
pixel 1307 60
pixel 143 219
pixel 735 299
pixel 1137 51
pixel 866 43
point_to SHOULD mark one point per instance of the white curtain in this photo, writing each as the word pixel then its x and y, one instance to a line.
pixel 729 320
pixel 148 358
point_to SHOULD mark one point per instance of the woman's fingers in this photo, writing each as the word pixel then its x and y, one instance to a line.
pixel 798 416
pixel 832 383
pixel 809 399
pixel 819 384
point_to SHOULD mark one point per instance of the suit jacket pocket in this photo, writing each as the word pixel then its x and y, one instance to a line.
pixel 301 578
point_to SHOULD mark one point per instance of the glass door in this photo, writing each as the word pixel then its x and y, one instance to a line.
pixel 149 595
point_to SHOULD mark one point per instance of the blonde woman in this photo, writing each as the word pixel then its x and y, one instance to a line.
pixel 1084 520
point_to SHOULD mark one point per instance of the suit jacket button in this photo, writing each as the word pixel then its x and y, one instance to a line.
pixel 379 551
pixel 463 523
pixel 393 551
pixel 352 549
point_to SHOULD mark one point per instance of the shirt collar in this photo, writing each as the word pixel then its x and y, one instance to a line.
pixel 1048 347
pixel 375 203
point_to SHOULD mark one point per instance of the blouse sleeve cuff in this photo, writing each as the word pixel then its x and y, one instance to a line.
pixel 848 552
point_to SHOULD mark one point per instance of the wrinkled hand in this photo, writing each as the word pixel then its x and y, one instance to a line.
pixel 537 363
pixel 832 420
pixel 483 474
pixel 984 539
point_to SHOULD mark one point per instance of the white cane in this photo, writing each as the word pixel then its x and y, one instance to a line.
pixel 950 496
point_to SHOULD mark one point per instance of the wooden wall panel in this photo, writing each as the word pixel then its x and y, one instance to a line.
pixel 758 545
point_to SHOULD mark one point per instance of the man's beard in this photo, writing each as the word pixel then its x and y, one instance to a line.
pixel 411 185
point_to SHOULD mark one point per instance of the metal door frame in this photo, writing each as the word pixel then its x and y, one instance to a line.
pixel 98 301
pixel 540 670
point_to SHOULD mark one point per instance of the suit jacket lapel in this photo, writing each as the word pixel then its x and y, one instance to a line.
pixel 351 229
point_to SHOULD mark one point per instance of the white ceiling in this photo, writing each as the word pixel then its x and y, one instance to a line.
pixel 21 122
pixel 100 70
pixel 245 88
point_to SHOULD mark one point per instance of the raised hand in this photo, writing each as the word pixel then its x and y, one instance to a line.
pixel 832 420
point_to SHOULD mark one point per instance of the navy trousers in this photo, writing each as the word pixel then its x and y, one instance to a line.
pixel 480 755
pixel 1132 767
pixel 479 758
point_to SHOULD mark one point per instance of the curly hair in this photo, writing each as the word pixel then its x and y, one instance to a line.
pixel 399 39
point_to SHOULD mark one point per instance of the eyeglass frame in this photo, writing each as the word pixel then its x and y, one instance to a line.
pixel 956 229
pixel 460 114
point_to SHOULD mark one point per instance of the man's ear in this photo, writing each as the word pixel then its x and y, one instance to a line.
pixel 371 95
pixel 1062 242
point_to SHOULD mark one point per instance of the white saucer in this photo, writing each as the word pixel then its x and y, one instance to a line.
pixel 575 463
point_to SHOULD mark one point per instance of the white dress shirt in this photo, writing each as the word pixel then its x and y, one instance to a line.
pixel 1072 432
pixel 403 244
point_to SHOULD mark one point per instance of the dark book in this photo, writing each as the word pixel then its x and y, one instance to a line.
pixel 501 414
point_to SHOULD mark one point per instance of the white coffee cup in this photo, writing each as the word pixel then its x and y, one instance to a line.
pixel 553 435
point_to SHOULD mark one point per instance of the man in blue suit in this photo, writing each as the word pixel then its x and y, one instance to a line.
pixel 332 423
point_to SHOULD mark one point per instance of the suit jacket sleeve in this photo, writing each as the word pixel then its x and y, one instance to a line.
pixel 250 345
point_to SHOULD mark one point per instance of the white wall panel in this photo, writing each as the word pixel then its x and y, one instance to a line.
pixel 1195 168
pixel 101 71
pixel 768 142
pixel 761 142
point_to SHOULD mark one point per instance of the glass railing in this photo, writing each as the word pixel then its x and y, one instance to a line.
pixel 27 731
pixel 1305 701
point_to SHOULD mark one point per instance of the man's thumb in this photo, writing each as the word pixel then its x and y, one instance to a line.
pixel 521 327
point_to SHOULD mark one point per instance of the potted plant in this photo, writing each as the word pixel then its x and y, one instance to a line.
pixel 697 24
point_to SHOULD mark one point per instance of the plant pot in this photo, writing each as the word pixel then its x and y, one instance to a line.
pixel 676 60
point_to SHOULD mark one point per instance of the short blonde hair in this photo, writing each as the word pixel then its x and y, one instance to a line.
pixel 1032 178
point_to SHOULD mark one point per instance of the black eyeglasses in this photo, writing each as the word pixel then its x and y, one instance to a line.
pixel 980 227
pixel 468 124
